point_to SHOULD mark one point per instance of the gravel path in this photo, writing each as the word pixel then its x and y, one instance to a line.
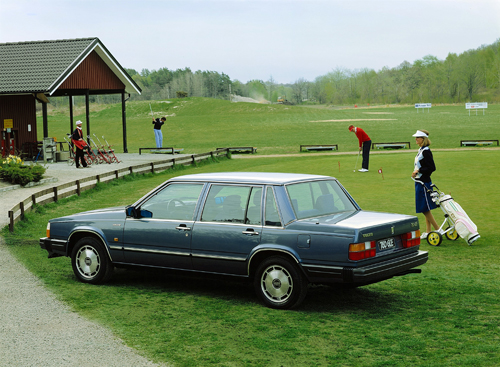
pixel 35 328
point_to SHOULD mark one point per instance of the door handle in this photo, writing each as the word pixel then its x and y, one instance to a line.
pixel 250 232
pixel 183 227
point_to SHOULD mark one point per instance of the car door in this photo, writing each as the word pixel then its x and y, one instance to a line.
pixel 229 227
pixel 161 234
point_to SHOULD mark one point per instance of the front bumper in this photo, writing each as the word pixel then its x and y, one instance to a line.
pixel 54 247
pixel 365 274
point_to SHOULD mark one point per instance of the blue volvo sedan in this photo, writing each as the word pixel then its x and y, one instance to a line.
pixel 282 231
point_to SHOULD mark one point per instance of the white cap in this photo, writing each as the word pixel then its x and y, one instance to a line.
pixel 78 122
pixel 420 134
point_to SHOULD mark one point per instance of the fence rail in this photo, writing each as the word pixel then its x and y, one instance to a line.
pixel 55 193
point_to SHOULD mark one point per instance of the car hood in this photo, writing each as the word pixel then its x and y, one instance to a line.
pixel 99 214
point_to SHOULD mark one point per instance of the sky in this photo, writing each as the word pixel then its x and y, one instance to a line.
pixel 285 40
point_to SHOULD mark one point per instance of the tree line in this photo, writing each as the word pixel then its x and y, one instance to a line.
pixel 472 76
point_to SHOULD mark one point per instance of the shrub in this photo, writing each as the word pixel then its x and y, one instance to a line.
pixel 13 170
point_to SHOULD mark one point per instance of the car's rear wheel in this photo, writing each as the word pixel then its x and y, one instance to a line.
pixel 279 283
pixel 90 261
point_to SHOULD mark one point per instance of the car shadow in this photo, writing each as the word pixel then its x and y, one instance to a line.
pixel 320 298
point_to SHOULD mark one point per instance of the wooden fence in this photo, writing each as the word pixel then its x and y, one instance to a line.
pixel 55 193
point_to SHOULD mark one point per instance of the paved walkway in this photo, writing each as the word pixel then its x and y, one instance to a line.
pixel 35 328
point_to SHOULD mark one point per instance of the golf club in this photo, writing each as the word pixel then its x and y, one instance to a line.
pixel 356 165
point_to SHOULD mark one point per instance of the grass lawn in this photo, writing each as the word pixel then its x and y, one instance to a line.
pixel 202 124
pixel 446 316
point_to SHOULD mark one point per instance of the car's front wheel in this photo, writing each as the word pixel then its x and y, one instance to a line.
pixel 90 261
pixel 279 283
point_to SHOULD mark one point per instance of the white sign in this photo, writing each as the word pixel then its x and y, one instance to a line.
pixel 423 105
pixel 473 106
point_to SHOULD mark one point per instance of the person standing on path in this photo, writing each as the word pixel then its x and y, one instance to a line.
pixel 424 166
pixel 157 129
pixel 365 144
pixel 79 144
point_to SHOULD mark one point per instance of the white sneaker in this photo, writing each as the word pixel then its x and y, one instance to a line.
pixel 424 236
pixel 363 170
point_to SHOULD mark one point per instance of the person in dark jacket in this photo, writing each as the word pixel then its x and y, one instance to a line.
pixel 364 144
pixel 157 129
pixel 424 166
pixel 79 143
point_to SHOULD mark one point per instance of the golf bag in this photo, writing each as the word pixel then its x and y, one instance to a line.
pixel 464 226
pixel 454 216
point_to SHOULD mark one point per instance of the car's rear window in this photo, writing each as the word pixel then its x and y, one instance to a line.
pixel 318 198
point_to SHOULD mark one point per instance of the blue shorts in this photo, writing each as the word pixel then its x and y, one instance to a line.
pixel 423 202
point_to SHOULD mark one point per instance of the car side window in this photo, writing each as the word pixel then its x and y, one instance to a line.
pixel 272 216
pixel 318 198
pixel 176 201
pixel 233 204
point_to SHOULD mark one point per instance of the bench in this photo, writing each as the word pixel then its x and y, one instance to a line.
pixel 319 147
pixel 240 149
pixel 474 143
pixel 395 145
pixel 170 150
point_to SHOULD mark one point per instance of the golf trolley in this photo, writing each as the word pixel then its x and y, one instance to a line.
pixel 456 221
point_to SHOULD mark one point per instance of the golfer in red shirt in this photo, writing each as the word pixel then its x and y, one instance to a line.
pixel 365 144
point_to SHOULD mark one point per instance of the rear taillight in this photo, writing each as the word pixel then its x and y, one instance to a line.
pixel 411 239
pixel 360 251
pixel 48 230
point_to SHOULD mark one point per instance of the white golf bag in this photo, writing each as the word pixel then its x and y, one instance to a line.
pixel 464 226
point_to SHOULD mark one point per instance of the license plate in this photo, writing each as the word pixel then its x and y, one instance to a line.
pixel 386 244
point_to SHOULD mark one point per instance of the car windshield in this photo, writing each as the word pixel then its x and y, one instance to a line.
pixel 317 198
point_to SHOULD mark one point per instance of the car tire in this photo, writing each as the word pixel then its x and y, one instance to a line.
pixel 90 261
pixel 279 283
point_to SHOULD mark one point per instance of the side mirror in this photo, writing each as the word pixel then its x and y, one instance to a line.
pixel 146 214
pixel 130 211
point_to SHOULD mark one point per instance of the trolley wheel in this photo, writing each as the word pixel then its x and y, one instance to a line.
pixel 452 235
pixel 434 238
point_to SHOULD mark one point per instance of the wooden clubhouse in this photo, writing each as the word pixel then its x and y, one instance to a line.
pixel 32 72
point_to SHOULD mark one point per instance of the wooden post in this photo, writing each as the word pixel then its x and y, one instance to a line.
pixel 33 199
pixel 152 167
pixel 78 189
pixel 116 173
pixel 21 206
pixel 11 221
pixel 55 193
pixel 98 178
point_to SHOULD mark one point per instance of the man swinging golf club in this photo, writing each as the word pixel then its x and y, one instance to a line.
pixel 365 144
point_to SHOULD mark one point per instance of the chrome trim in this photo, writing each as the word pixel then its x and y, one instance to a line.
pixel 323 266
pixel 252 233
pixel 163 252
pixel 270 249
pixel 53 240
pixel 115 247
pixel 219 257
pixel 106 245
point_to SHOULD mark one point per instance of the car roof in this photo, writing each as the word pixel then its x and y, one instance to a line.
pixel 273 178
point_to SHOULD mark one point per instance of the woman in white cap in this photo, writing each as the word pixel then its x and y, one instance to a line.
pixel 424 166
pixel 79 143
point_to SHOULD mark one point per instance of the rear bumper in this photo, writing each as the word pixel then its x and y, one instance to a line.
pixel 365 274
pixel 54 247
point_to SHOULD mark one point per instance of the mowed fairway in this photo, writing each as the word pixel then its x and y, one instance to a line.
pixel 446 316
pixel 202 124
